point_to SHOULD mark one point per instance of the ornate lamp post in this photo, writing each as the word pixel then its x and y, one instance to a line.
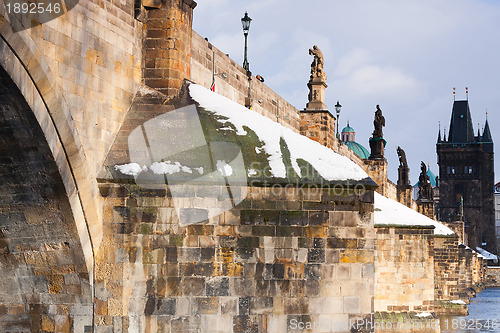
pixel 245 21
pixel 337 109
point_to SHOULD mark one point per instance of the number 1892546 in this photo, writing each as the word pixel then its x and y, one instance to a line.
pixel 33 8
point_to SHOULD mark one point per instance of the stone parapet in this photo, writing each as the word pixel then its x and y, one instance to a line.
pixel 281 255
pixel 404 269
pixel 492 276
pixel 235 87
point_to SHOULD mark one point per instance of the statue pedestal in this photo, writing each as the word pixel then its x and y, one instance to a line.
pixel 317 86
pixel 403 179
pixel 404 195
pixel 377 146
pixel 426 207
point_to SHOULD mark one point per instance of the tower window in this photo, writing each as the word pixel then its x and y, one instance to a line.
pixel 452 170
pixel 466 169
pixel 470 169
pixel 448 170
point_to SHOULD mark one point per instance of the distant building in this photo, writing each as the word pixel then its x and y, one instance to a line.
pixel 466 178
pixel 348 137
pixel 497 213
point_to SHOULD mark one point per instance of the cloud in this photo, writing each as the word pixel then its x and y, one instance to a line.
pixel 371 80
pixel 351 61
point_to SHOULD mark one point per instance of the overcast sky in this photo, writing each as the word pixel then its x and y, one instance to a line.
pixel 404 55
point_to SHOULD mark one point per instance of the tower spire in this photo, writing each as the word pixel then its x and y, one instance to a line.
pixel 487 133
pixel 453 93
pixel 439 132
pixel 444 134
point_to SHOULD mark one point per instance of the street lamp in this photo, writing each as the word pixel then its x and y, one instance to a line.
pixel 245 21
pixel 337 109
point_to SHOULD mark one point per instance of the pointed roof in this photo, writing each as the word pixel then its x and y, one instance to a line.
pixel 461 123
pixel 486 133
pixel 439 134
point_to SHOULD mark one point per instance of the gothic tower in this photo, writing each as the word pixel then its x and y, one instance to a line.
pixel 466 178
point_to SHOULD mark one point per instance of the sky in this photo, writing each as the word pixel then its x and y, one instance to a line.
pixel 406 56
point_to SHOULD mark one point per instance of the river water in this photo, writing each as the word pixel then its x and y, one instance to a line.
pixel 484 315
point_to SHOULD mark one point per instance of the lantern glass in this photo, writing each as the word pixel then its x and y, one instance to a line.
pixel 245 22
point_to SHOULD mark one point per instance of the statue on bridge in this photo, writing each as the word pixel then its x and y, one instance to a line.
pixel 403 169
pixel 378 123
pixel 317 82
pixel 377 142
pixel 402 157
pixel 317 64
pixel 424 184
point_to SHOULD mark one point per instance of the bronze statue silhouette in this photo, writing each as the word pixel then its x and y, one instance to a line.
pixel 402 157
pixel 424 183
pixel 378 123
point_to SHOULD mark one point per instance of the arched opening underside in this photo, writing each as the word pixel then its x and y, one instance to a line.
pixel 25 63
pixel 44 280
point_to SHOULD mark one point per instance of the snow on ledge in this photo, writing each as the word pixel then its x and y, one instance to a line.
pixel 330 165
pixel 390 212
pixel 458 301
pixel 487 255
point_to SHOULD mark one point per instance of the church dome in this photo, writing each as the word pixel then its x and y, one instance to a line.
pixel 348 129
pixel 349 138
pixel 358 149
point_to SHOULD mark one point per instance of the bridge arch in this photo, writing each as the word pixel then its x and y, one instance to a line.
pixel 24 63
pixel 50 224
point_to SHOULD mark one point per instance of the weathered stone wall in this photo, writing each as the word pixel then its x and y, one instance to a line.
pixel 458 228
pixel 167 45
pixel 392 190
pixel 92 57
pixel 44 281
pixel 235 86
pixel 492 276
pixel 78 74
pixel 447 269
pixel 466 265
pixel 377 171
pixel 281 255
pixel 318 126
pixel 404 269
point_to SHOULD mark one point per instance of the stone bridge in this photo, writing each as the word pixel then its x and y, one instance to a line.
pixel 81 251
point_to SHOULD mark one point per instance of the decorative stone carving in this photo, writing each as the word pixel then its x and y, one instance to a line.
pixel 317 64
pixel 317 82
